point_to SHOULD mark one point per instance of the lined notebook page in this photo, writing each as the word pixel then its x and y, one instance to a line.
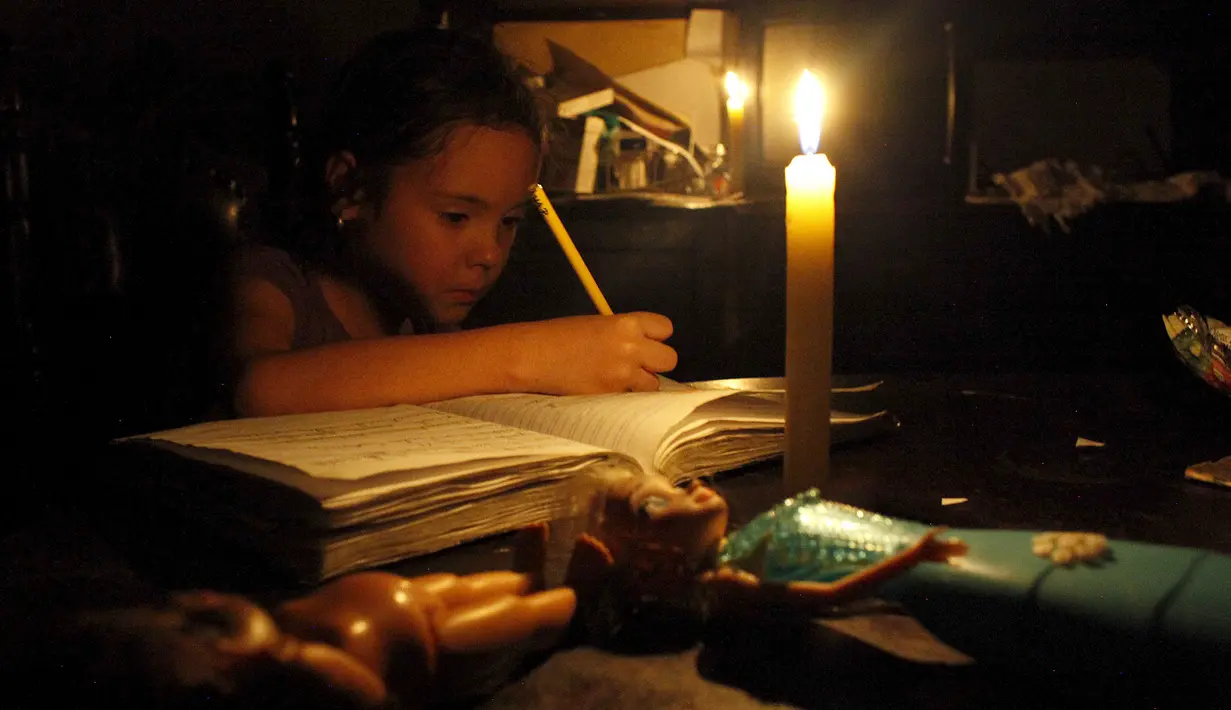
pixel 632 423
pixel 355 444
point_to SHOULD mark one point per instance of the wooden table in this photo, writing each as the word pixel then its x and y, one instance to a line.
pixel 1006 443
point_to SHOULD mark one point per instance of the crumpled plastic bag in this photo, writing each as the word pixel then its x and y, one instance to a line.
pixel 1060 190
pixel 1203 344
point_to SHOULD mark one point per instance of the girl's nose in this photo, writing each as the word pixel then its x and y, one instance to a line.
pixel 486 250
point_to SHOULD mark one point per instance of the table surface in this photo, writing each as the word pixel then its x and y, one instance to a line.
pixel 1006 443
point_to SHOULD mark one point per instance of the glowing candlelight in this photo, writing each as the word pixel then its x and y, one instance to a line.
pixel 810 180
pixel 737 93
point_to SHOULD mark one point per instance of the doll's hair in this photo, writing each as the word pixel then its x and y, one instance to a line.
pixel 151 658
pixel 400 96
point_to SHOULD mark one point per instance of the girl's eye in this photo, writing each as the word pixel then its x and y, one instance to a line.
pixel 454 217
pixel 512 222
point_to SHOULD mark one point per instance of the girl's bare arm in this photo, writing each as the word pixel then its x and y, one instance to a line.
pixel 586 354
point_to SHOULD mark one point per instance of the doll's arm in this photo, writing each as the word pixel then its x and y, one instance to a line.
pixel 729 585
pixel 588 566
pixel 490 611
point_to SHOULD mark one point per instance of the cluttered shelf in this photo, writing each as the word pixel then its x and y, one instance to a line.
pixel 1059 191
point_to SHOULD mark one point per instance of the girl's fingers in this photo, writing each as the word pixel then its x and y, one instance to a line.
pixel 657 357
pixel 653 325
pixel 643 381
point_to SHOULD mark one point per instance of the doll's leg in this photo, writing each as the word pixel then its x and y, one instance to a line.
pixel 488 623
pixel 481 641
pixel 453 591
pixel 487 610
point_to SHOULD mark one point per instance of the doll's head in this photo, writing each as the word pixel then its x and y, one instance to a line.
pixel 636 572
pixel 643 515
pixel 195 650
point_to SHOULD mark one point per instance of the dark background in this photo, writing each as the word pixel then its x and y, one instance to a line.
pixel 157 136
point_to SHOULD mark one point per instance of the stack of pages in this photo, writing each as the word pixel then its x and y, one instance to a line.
pixel 319 495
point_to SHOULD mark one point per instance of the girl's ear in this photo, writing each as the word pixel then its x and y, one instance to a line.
pixel 339 177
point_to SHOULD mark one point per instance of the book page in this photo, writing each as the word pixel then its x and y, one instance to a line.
pixel 355 444
pixel 633 423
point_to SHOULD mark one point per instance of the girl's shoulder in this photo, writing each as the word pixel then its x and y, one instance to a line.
pixel 267 263
pixel 315 321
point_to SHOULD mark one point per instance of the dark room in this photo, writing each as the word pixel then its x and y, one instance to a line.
pixel 618 354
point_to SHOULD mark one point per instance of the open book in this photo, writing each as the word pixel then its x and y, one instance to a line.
pixel 324 494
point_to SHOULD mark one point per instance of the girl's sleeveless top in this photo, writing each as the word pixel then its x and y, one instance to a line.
pixel 315 323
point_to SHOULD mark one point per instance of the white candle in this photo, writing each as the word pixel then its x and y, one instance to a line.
pixel 737 93
pixel 810 182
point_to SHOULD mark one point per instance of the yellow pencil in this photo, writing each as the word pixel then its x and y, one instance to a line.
pixel 570 250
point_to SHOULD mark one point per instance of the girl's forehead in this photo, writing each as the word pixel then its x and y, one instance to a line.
pixel 480 153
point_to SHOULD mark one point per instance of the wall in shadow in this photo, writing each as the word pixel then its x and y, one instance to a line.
pixel 969 288
pixel 149 120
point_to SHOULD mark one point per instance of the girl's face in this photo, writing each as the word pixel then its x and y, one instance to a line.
pixel 448 221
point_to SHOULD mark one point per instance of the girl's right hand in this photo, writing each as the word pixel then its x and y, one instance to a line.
pixel 594 354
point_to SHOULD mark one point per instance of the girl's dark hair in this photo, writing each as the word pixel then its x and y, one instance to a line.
pixel 399 97
pixel 396 101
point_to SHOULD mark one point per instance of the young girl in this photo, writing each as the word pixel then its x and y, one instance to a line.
pixel 429 145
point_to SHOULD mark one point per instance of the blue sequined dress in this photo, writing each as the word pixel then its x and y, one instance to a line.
pixel 807 538
pixel 1140 604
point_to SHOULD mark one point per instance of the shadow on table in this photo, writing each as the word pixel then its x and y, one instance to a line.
pixel 744 665
pixel 820 667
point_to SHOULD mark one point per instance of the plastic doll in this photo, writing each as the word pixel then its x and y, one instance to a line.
pixel 1057 600
pixel 368 640
pixel 654 548
pixel 417 633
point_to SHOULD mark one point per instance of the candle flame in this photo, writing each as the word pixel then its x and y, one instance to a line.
pixel 737 90
pixel 809 107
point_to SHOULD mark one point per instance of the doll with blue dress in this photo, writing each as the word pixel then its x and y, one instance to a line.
pixel 1029 598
